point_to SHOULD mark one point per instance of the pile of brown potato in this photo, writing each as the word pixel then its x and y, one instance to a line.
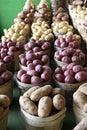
pixel 43 101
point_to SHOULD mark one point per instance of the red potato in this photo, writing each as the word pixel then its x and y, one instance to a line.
pixel 58 70
pixel 62 40
pixel 7 75
pixel 45 59
pixel 32 72
pixel 64 53
pixel 47 68
pixel 69 38
pixel 12 48
pixel 31 43
pixel 74 44
pixel 37 62
pixel 46 46
pixel 57 55
pixel 46 76
pixel 40 42
pixel 75 59
pixel 70 51
pixel 71 65
pixel 19 46
pixel 81 76
pixel 3 54
pixel 69 79
pixel 20 73
pixel 10 43
pixel 77 68
pixel 25 78
pixel 36 49
pixel 39 68
pixel 31 66
pixel 7 59
pixel 30 56
pixel 59 77
pixel 36 80
pixel 10 54
pixel 26 48
pixel 64 67
pixel 63 45
pixel 28 62
pixel 57 43
pixel 23 61
pixel 2 67
pixel 69 72
pixel 66 59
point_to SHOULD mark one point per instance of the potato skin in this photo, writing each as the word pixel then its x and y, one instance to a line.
pixel 58 91
pixel 59 102
pixel 40 92
pixel 28 105
pixel 82 125
pixel 44 106
pixel 30 91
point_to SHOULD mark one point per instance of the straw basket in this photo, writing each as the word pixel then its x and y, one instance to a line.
pixel 10 66
pixel 4 120
pixel 60 63
pixel 53 122
pixel 79 114
pixel 16 57
pixel 69 90
pixel 23 87
pixel 7 89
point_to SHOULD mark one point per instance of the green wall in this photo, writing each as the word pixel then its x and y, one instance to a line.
pixel 9 10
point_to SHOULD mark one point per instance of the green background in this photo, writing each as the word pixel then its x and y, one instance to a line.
pixel 9 10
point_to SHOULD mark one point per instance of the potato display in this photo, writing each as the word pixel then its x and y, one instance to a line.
pixel 42 96
pixel 68 41
pixel 41 31
pixel 18 32
pixel 34 59
pixel 37 46
pixel 43 12
pixel 35 74
pixel 60 15
pixel 71 73
pixel 68 55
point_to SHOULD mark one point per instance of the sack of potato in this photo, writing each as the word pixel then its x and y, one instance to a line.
pixel 80 103
pixel 4 110
pixel 42 105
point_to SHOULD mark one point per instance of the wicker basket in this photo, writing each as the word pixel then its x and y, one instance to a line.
pixel 7 89
pixel 23 87
pixel 16 57
pixel 10 66
pixel 4 120
pixel 49 123
pixel 79 114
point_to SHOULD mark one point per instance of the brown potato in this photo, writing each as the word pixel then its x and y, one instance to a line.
pixel 44 106
pixel 28 105
pixel 40 92
pixel 29 92
pixel 59 102
pixel 58 91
